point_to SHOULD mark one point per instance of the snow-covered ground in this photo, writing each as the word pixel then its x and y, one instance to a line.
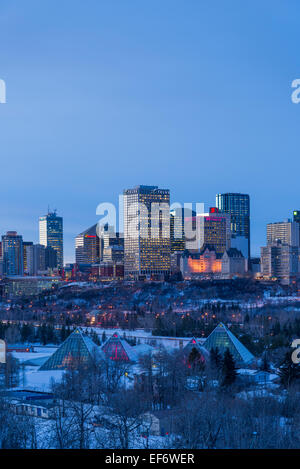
pixel 35 380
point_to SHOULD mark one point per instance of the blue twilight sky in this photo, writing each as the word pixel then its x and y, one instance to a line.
pixel 190 95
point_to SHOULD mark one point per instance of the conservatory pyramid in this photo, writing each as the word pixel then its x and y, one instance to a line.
pixel 77 347
pixel 118 349
pixel 222 338
pixel 193 345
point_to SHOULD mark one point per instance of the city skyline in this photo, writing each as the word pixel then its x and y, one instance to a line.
pixel 204 101
pixel 71 248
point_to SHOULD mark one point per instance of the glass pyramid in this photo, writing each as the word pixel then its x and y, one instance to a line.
pixel 194 344
pixel 118 349
pixel 77 347
pixel 222 338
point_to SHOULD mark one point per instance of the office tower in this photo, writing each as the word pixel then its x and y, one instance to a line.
pixel 280 261
pixel 35 257
pixel 177 230
pixel 213 230
pixel 51 234
pixel 113 247
pixel 113 253
pixel 181 220
pixel 147 249
pixel 296 215
pixel 25 245
pixel 12 251
pixel 287 232
pixel 87 246
pixel 109 238
pixel 238 206
pixel 50 258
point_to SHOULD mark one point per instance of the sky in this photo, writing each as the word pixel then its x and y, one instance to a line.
pixel 189 95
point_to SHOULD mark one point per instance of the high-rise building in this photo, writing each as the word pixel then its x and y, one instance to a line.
pixel 147 247
pixel 35 257
pixel 280 258
pixel 238 206
pixel 12 252
pixel 177 230
pixel 87 246
pixel 296 215
pixel 51 235
pixel 97 244
pixel 287 232
pixel 25 245
pixel 50 258
pixel 182 220
pixel 213 230
pixel 280 261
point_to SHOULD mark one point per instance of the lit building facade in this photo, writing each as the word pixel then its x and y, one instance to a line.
pixel 205 264
pixel 287 232
pixel 209 264
pixel 213 229
pixel 25 245
pixel 296 219
pixel 87 246
pixel 18 287
pixel 238 207
pixel 51 235
pixel 280 261
pixel 147 246
pixel 12 252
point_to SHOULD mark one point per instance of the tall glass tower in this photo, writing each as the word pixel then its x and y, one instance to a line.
pixel 238 206
pixel 51 235
pixel 147 247
pixel 12 252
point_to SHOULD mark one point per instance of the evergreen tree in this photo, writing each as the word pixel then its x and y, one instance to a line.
pixel 265 365
pixel 95 337
pixel 103 337
pixel 216 358
pixel 195 360
pixel 229 373
pixel 63 334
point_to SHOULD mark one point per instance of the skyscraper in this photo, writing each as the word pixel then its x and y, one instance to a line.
pixel 147 248
pixel 87 246
pixel 287 232
pixel 296 215
pixel 280 258
pixel 12 252
pixel 238 206
pixel 51 235
pixel 25 246
pixel 280 261
pixel 213 230
pixel 35 258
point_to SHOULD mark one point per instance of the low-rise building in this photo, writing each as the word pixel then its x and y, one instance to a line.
pixel 17 287
pixel 233 263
